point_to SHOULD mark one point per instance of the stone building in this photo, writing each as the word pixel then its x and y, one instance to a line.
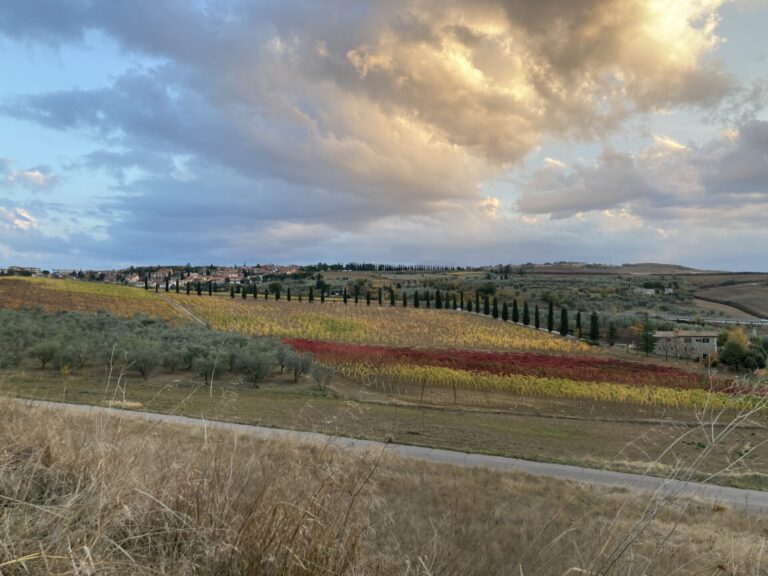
pixel 699 345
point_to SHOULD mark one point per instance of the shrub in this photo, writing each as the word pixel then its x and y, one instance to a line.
pixel 43 352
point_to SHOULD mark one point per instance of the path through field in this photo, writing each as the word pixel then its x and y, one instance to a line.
pixel 747 500
pixel 183 309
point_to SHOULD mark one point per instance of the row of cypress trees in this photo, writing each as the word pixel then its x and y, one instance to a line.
pixel 438 300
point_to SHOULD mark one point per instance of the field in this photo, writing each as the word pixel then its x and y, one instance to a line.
pixel 599 434
pixel 361 324
pixel 456 380
pixel 73 295
pixel 112 495
pixel 531 374
pixel 751 298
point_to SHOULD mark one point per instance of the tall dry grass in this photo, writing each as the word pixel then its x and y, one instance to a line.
pixel 114 495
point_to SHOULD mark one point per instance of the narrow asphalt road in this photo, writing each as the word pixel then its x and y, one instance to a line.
pixel 749 501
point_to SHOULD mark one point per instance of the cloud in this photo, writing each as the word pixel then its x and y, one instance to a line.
pixel 16 219
pixel 35 178
pixel 384 91
pixel 265 125
pixel 723 183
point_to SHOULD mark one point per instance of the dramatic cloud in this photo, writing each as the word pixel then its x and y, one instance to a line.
pixel 281 124
pixel 429 96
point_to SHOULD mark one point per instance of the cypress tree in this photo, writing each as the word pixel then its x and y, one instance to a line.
pixel 486 306
pixel 244 293
pixel 426 297
pixel 454 302
pixel 187 288
pixel 461 299
pixel 477 302
pixel 594 327
pixel 391 297
pixel 578 324
pixel 157 287
pixel 647 336
pixel 438 300
pixel 288 295
pixel 405 300
pixel 177 286
pixel 231 290
pixel 526 314
pixel 515 311
pixel 146 282
pixel 277 292
pixel 345 294
pixel 266 293
pixel 199 289
pixel 368 298
pixel 416 299
pixel 564 322
pixel 537 318
pixel 551 318
pixel 210 288
pixel 311 294
pixel 322 295
pixel 357 294
pixel 504 312
pixel 495 312
pixel 255 292
pixel 380 297
pixel 469 306
pixel 167 284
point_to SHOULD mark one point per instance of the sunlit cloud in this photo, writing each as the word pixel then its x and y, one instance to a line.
pixel 282 125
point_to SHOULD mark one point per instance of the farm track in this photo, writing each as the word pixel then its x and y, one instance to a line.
pixel 183 309
pixel 748 500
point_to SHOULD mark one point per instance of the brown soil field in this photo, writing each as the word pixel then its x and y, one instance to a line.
pixel 728 311
pixel 752 297
pixel 713 280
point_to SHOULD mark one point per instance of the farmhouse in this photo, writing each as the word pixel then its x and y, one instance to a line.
pixel 694 345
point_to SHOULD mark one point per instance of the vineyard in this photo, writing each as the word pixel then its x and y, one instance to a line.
pixel 529 374
pixel 77 296
pixel 583 368
pixel 522 385
pixel 361 324
pixel 384 346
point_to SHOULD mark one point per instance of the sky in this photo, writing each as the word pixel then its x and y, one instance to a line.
pixel 464 132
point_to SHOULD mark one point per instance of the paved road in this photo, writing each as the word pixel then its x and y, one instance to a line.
pixel 747 500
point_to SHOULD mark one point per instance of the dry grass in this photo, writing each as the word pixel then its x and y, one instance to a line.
pixel 88 495
pixel 73 295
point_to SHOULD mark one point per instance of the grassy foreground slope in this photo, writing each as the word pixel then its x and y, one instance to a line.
pixel 79 296
pixel 88 494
